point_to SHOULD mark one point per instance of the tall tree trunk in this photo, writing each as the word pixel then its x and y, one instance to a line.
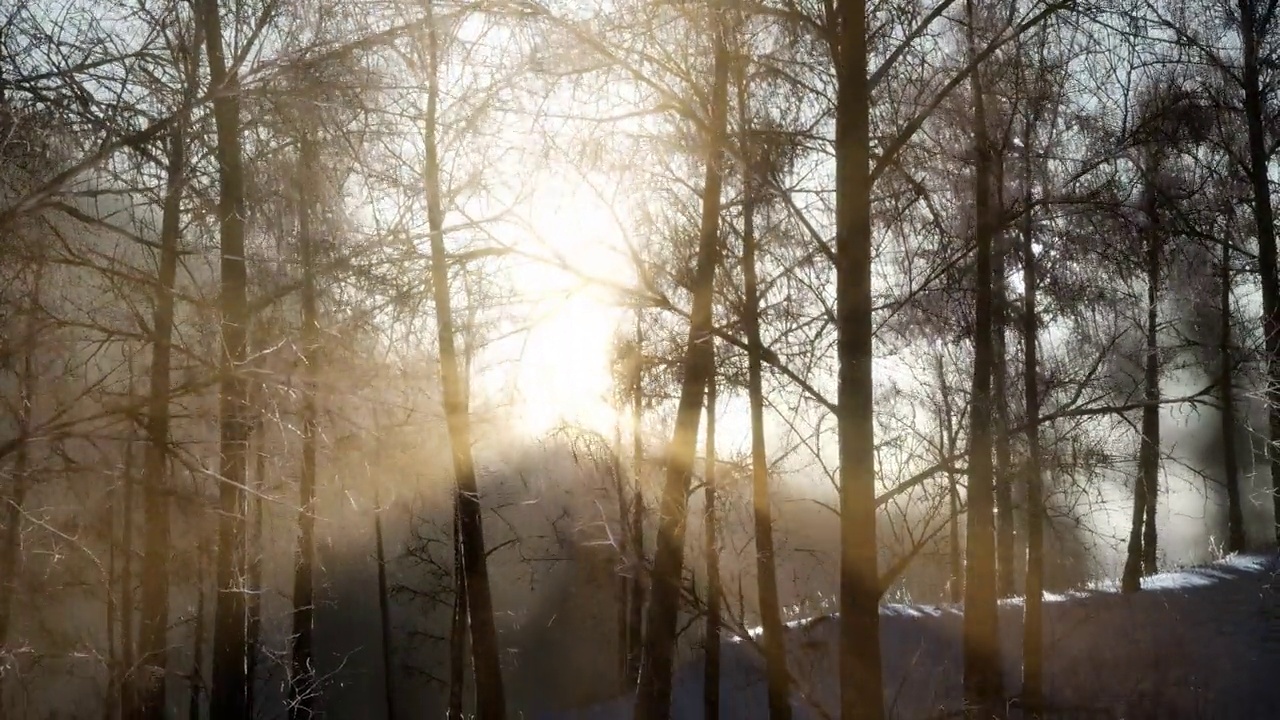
pixel 125 673
pixel 120 580
pixel 197 644
pixel 624 552
pixel 111 704
pixel 384 611
pixel 227 696
pixel 1230 462
pixel 711 675
pixel 1264 222
pixel 154 621
pixel 636 595
pixel 15 498
pixel 302 679
pixel 653 696
pixel 775 651
pixel 120 613
pixel 982 667
pixel 947 448
pixel 1033 621
pixel 458 624
pixel 1150 450
pixel 1141 559
pixel 861 681
pixel 491 699
pixel 1006 573
pixel 255 549
pixel 1131 578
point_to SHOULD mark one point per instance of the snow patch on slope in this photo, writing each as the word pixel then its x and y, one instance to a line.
pixel 1198 643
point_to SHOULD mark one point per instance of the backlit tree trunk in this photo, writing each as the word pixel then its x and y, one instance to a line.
pixel 486 663
pixel 861 683
pixel 1141 555
pixel 1230 462
pixel 711 675
pixel 1033 620
pixel 384 612
pixel 1006 575
pixel 779 680
pixel 1264 223
pixel 228 694
pixel 154 620
pixel 636 594
pixel 653 696
pixel 302 683
pixel 982 671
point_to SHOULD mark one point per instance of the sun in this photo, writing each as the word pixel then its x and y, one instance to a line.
pixel 564 374
pixel 563 370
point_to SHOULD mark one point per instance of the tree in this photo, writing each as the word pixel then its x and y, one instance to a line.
pixel 711 679
pixel 861 683
pixel 1254 23
pixel 490 698
pixel 982 668
pixel 779 680
pixel 302 676
pixel 228 692
pixel 153 630
pixel 653 697
pixel 1142 538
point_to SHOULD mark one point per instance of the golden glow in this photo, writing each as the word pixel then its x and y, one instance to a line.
pixel 563 371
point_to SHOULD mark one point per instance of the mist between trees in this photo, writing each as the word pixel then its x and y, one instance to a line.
pixel 420 359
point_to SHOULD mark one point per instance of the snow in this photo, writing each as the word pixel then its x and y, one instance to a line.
pixel 1196 643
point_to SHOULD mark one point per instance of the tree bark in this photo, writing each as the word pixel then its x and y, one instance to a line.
pixel 653 696
pixel 302 680
pixel 1151 412
pixel 154 622
pixel 861 675
pixel 125 679
pixel 947 447
pixel 228 693
pixel 1006 574
pixel 624 554
pixel 775 651
pixel 491 698
pixel 120 633
pixel 1264 222
pixel 982 667
pixel 636 595
pixel 14 500
pixel 197 645
pixel 1033 620
pixel 384 612
pixel 254 551
pixel 458 624
pixel 111 705
pixel 711 675
pixel 1230 462
pixel 1141 559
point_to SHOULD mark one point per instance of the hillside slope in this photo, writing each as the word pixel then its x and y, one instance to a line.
pixel 1195 644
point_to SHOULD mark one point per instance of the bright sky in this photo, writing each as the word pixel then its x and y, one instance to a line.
pixel 562 365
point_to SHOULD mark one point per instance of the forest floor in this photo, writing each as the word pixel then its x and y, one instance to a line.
pixel 1201 643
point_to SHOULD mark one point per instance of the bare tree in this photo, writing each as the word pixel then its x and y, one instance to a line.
pixel 861 683
pixel 153 645
pixel 228 692
pixel 491 700
pixel 982 668
pixel 779 691
pixel 653 697
pixel 711 674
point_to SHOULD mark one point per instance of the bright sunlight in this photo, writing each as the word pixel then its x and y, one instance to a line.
pixel 563 370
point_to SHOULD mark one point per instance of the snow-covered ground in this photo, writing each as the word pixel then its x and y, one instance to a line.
pixel 1194 644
